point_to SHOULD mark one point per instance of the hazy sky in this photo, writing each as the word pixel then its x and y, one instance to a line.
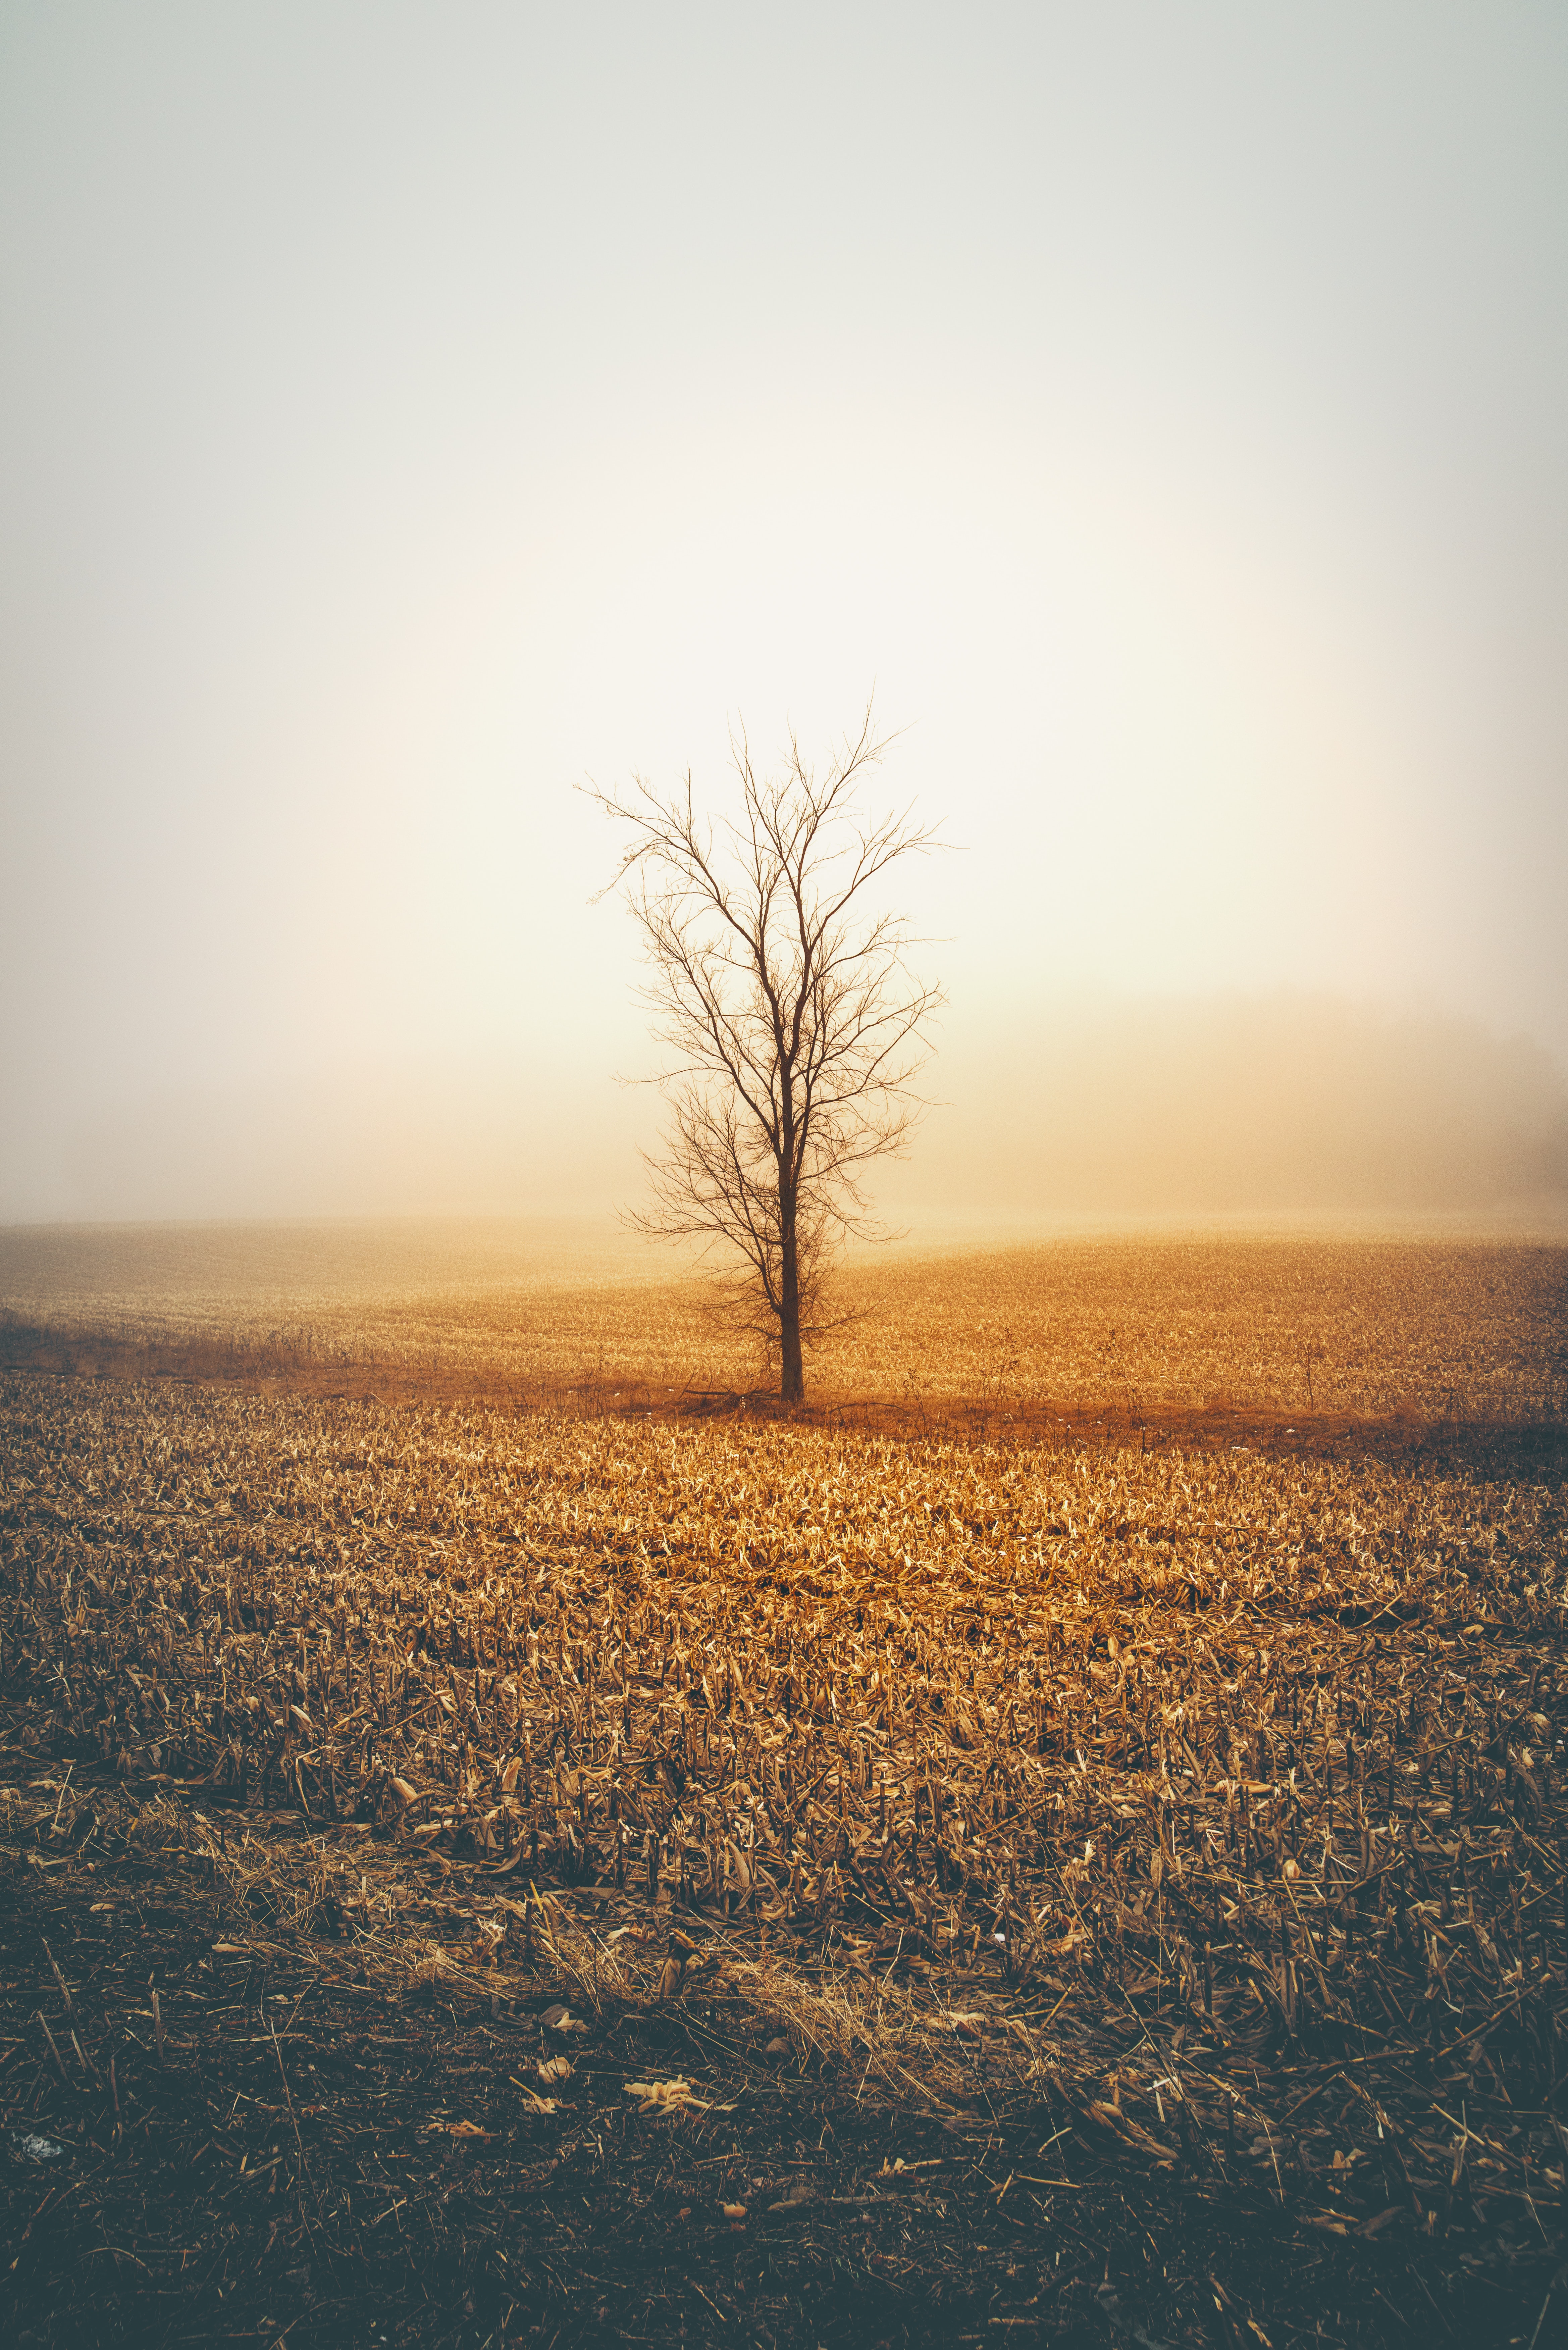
pixel 407 410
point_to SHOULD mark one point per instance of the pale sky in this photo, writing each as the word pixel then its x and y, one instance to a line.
pixel 406 412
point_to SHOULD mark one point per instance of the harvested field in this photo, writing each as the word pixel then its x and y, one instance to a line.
pixel 1102 1881
pixel 1370 1328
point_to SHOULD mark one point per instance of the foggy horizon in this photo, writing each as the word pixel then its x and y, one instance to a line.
pixel 407 416
pixel 1229 1106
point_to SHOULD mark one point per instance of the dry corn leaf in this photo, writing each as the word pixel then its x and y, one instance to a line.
pixel 665 2097
pixel 533 2102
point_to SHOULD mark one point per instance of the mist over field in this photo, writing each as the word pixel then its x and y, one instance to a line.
pixel 784 1173
pixel 1230 1105
pixel 404 418
pixel 1243 1105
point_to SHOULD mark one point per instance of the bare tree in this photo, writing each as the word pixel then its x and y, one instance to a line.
pixel 795 1028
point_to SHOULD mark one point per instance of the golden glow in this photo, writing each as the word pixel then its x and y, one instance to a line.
pixel 397 432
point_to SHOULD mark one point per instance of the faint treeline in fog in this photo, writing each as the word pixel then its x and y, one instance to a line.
pixel 1288 1103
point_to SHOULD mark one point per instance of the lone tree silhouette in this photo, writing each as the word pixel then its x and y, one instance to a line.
pixel 795 1026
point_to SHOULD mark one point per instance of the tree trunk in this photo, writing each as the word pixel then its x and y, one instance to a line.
pixel 792 1370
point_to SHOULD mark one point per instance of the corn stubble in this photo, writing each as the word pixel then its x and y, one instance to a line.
pixel 1215 1795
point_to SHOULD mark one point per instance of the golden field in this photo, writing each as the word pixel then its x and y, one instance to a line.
pixel 1068 1772
pixel 1230 1729
pixel 1363 1325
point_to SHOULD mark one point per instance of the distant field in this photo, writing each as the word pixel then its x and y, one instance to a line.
pixel 1367 1327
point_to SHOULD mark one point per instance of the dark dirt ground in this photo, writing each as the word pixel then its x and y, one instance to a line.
pixel 315 2163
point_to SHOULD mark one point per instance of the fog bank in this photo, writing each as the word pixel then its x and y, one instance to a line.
pixel 1239 1104
pixel 1085 1106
